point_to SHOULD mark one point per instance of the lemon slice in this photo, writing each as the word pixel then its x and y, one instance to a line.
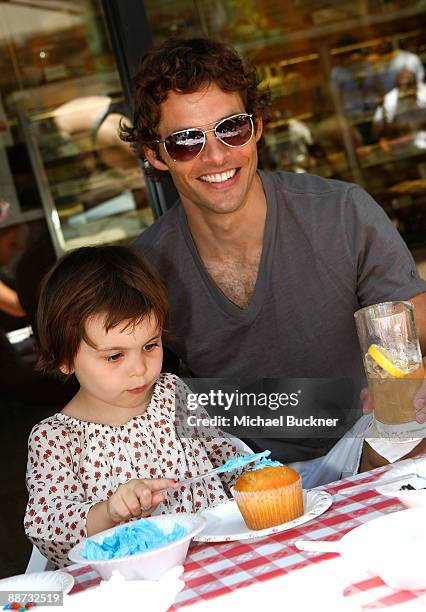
pixel 385 360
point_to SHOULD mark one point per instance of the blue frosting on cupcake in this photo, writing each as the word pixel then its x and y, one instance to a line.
pixel 263 463
pixel 239 462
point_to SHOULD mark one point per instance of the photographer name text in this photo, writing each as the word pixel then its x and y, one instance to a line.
pixel 258 421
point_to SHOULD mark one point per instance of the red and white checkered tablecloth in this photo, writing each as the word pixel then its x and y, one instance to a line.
pixel 216 569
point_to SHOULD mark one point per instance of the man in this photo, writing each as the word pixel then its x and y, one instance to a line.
pixel 264 270
pixel 403 109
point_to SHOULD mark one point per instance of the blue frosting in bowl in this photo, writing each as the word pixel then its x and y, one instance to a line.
pixel 137 537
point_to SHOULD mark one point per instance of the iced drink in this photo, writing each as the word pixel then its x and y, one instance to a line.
pixel 393 365
pixel 393 395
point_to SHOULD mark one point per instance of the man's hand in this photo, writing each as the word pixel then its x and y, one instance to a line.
pixel 366 401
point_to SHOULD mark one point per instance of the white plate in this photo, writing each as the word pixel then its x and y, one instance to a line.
pixel 225 523
pixel 39 581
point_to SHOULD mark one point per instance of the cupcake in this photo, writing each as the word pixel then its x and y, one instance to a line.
pixel 269 496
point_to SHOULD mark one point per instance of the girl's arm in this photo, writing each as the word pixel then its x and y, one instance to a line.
pixel 55 518
pixel 58 514
pixel 98 518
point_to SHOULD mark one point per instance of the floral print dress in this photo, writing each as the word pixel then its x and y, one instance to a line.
pixel 74 464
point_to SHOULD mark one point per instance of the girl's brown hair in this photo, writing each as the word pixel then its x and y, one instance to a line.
pixel 184 66
pixel 113 281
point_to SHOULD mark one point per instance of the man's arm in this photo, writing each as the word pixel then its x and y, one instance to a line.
pixel 370 459
pixel 9 301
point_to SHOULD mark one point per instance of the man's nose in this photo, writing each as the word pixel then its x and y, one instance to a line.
pixel 214 150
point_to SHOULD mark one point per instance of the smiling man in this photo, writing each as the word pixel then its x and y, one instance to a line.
pixel 264 270
pixel 220 189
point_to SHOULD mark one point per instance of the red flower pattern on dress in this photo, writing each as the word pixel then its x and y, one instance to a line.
pixel 74 464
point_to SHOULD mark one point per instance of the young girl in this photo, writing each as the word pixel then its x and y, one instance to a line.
pixel 108 455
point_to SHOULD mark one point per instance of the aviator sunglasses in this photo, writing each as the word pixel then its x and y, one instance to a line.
pixel 185 145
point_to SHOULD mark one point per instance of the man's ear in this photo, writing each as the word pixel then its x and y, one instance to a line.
pixel 155 162
pixel 258 127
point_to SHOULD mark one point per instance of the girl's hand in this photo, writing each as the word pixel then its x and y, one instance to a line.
pixel 137 497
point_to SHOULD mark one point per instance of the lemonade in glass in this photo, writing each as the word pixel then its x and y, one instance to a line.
pixel 393 365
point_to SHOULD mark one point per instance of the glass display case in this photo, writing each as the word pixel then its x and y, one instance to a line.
pixel 90 182
pixel 347 81
pixel 62 106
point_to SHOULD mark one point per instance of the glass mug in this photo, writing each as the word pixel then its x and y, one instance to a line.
pixel 393 365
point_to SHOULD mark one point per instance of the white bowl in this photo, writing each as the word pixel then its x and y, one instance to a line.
pixel 409 498
pixel 149 565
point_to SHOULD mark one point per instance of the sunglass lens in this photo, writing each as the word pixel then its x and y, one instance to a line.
pixel 184 146
pixel 235 131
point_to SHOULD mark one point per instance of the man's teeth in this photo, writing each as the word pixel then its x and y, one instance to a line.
pixel 218 178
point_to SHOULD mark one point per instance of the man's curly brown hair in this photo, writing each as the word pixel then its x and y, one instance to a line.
pixel 184 66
